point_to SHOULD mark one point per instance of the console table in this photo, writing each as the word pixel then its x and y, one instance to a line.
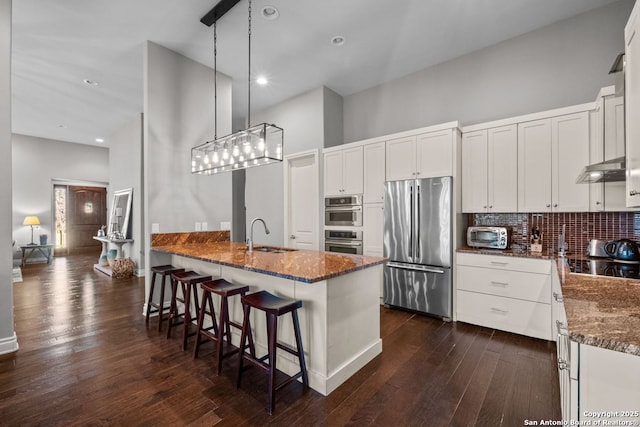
pixel 103 262
pixel 28 251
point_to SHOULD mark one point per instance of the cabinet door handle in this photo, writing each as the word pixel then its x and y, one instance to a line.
pixel 558 297
pixel 498 263
pixel 499 310
pixel 549 205
pixel 562 328
pixel 633 193
pixel 293 236
pixel 562 365
pixel 490 206
pixel 597 203
pixel 555 205
pixel 493 282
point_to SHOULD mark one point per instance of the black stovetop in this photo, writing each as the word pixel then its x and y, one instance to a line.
pixel 604 267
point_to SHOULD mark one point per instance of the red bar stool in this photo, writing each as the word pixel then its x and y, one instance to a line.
pixel 187 281
pixel 222 327
pixel 273 307
pixel 153 307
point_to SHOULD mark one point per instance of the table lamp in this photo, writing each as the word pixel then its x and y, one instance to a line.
pixel 32 221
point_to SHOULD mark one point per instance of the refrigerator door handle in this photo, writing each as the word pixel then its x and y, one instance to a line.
pixel 417 221
pixel 411 234
pixel 414 267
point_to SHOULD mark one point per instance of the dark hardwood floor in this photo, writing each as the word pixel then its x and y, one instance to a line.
pixel 86 358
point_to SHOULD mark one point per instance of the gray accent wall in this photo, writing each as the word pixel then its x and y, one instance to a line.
pixel 178 112
pixel 8 340
pixel 302 119
pixel 125 171
pixel 333 118
pixel 37 164
pixel 563 64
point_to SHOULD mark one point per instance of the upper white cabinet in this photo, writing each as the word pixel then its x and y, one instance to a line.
pixel 632 111
pixel 422 156
pixel 551 154
pixel 534 166
pixel 490 172
pixel 343 171
pixel 570 144
pixel 374 172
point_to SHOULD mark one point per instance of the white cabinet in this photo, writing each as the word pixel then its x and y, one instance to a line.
pixel 343 171
pixel 373 229
pixel 374 172
pixel 507 293
pixel 551 154
pixel 632 109
pixel 489 170
pixel 608 382
pixel 422 156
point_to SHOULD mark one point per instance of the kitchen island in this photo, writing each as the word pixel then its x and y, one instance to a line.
pixel 340 316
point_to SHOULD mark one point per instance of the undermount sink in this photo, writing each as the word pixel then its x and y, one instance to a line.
pixel 272 249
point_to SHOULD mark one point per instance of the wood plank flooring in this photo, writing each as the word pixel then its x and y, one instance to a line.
pixel 87 359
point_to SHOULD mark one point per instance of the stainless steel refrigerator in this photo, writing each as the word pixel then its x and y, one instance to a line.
pixel 417 241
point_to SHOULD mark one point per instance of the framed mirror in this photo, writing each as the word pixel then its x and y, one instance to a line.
pixel 119 214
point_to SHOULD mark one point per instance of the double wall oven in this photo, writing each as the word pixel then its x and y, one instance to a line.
pixel 343 222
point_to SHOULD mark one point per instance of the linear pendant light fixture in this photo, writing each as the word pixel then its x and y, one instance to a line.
pixel 255 146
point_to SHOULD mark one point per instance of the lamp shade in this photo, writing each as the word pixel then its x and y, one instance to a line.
pixel 31 220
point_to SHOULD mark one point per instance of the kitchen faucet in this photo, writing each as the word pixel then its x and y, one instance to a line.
pixel 250 241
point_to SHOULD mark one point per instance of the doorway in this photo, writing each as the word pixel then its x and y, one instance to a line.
pixel 302 221
pixel 79 211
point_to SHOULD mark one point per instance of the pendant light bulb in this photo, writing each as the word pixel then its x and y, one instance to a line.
pixel 206 159
pixel 215 157
pixel 235 151
pixel 225 153
pixel 261 144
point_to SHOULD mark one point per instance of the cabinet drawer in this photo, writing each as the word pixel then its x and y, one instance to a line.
pixel 507 314
pixel 542 266
pixel 505 283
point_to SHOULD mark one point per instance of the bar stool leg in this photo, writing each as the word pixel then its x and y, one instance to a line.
pixel 186 291
pixel 225 329
pixel 206 298
pixel 153 283
pixel 303 366
pixel 272 330
pixel 161 302
pixel 173 310
pixel 246 327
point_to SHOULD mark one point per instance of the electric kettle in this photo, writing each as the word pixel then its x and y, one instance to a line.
pixel 623 250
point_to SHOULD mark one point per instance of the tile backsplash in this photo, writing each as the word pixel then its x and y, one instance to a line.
pixel 580 227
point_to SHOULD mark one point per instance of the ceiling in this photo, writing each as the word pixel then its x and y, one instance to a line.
pixel 58 44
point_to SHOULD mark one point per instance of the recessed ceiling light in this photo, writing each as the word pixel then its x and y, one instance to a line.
pixel 91 82
pixel 99 140
pixel 270 13
pixel 338 40
pixel 262 80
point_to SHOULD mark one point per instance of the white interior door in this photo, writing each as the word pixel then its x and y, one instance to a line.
pixel 302 193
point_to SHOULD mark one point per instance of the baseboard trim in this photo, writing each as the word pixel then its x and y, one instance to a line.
pixel 9 344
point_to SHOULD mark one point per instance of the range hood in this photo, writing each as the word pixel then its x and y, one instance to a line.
pixel 608 171
pixel 613 170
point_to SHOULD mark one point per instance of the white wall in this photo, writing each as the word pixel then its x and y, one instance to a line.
pixel 38 161
pixel 563 64
pixel 125 171
pixel 8 340
pixel 178 115
pixel 302 119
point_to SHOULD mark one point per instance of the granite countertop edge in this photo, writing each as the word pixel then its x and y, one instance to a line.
pixel 371 262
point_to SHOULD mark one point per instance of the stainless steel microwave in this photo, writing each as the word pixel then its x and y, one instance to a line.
pixel 343 210
pixel 488 237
